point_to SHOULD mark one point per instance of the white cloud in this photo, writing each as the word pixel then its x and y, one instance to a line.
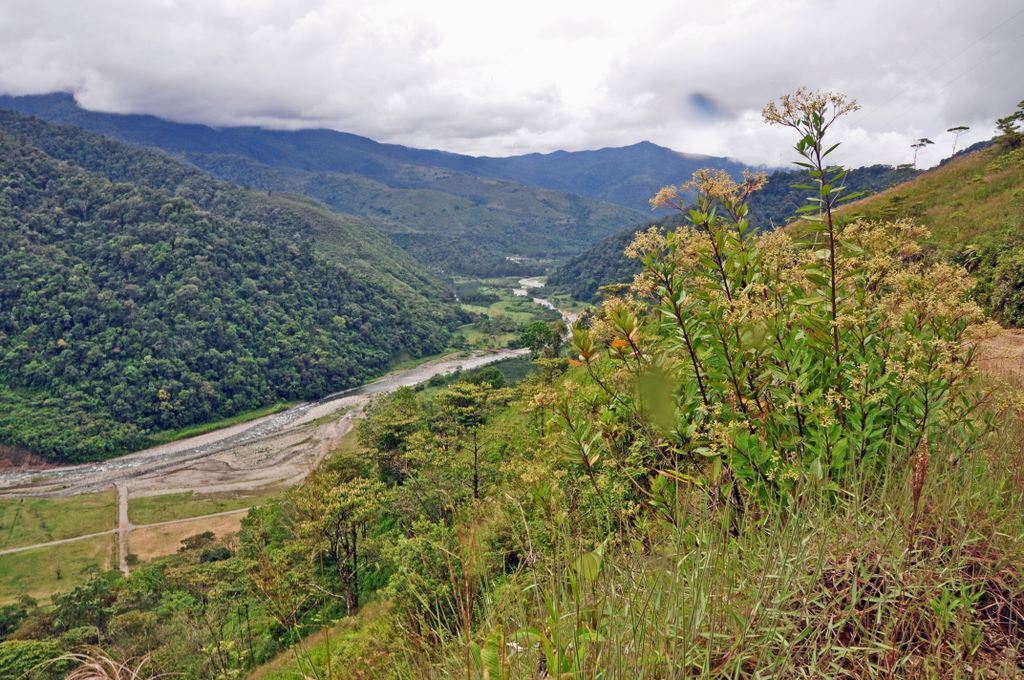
pixel 501 78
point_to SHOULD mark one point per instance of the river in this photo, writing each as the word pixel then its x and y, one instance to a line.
pixel 531 282
pixel 277 448
pixel 72 479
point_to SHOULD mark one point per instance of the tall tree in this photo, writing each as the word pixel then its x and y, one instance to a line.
pixel 465 407
pixel 918 145
pixel 334 514
pixel 543 339
pixel 957 131
pixel 389 423
pixel 1009 128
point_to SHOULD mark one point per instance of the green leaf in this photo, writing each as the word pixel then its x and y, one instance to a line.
pixel 588 566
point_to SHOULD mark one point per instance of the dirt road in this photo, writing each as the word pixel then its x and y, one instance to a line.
pixel 124 527
pixel 121 528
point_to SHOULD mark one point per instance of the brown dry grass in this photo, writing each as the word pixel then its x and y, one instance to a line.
pixel 1003 356
pixel 148 543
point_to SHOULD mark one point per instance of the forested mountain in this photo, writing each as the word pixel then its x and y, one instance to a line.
pixel 166 298
pixel 777 202
pixel 604 263
pixel 626 176
pixel 346 239
pixel 772 206
pixel 460 213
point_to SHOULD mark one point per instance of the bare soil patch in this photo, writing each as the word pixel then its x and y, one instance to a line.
pixel 150 542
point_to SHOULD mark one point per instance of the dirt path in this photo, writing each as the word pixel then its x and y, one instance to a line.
pixel 61 541
pixel 124 527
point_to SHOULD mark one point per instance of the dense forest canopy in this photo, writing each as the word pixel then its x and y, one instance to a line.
pixel 125 310
pixel 343 238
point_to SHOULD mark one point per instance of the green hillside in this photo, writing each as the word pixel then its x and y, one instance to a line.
pixel 344 238
pixel 971 197
pixel 126 309
pixel 974 208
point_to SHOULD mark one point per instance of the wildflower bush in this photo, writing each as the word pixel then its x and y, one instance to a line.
pixel 775 361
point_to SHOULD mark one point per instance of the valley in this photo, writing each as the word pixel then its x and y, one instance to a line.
pixel 293 404
pixel 276 449
pixel 240 465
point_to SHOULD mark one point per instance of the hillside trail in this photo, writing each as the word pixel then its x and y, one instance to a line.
pixel 124 527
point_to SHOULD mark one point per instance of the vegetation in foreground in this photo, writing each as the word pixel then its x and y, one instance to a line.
pixel 766 460
pixel 776 203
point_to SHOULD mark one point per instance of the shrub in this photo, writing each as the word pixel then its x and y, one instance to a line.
pixel 771 363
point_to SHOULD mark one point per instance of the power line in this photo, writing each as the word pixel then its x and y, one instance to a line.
pixel 935 68
pixel 915 104
pixel 877 109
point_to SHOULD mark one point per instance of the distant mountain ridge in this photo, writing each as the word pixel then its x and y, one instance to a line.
pixel 461 213
pixel 627 175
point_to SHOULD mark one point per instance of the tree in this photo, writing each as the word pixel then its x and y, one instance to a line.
pixel 389 423
pixel 1009 128
pixel 542 339
pixel 464 408
pixel 335 514
pixel 957 131
pixel 463 405
pixel 918 145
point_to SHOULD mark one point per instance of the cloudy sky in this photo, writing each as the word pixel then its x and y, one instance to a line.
pixel 533 75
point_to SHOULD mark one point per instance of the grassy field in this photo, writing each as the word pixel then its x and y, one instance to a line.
pixel 55 569
pixel 203 428
pixel 148 543
pixel 152 509
pixel 27 521
pixel 506 314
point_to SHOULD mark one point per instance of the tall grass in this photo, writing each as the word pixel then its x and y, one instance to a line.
pixel 823 589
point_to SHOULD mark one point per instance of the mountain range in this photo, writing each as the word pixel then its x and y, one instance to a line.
pixel 459 213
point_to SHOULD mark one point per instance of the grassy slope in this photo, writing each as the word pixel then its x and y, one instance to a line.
pixel 967 198
pixel 168 507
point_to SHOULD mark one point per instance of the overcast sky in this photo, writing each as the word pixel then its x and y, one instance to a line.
pixel 533 75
